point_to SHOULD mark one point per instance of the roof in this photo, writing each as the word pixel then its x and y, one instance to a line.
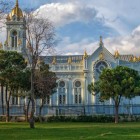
pixel 63 59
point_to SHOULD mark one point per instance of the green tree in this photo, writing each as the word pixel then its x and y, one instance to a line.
pixel 45 84
pixel 115 84
pixel 12 66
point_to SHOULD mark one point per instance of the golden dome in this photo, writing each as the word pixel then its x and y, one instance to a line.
pixel 85 55
pixel 15 11
pixel 116 54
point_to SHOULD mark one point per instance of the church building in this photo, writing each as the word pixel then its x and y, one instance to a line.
pixel 74 73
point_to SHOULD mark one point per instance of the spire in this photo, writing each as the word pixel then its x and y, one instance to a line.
pixel 16 3
pixel 15 11
pixel 101 44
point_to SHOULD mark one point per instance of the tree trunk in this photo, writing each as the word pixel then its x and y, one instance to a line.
pixel 116 113
pixel 27 112
pixel 31 120
pixel 7 104
pixel 2 100
pixel 40 110
pixel 7 111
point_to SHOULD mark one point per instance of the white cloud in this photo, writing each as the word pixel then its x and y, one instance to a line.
pixel 65 13
pixel 129 44
pixel 116 14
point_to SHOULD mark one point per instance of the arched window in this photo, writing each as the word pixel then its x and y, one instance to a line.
pixel 100 66
pixel 14 39
pixel 61 90
pixel 77 92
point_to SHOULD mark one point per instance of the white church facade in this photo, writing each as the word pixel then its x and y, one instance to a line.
pixel 74 73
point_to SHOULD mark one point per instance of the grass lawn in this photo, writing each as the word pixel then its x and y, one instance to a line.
pixel 70 131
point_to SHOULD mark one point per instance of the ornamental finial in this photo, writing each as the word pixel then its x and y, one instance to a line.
pixel 101 56
pixel 69 60
pixel 134 59
pixel 85 54
pixel 101 44
pixel 16 3
pixel 116 55
pixel 54 61
pixel 138 58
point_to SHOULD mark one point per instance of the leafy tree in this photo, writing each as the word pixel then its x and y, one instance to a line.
pixel 45 84
pixel 115 84
pixel 12 67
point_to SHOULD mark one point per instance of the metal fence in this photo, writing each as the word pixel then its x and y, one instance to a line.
pixel 18 110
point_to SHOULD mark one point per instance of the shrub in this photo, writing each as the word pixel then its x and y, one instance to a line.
pixel 99 118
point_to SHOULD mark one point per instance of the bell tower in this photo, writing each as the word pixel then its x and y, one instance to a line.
pixel 16 30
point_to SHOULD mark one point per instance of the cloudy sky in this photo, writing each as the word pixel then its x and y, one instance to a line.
pixel 80 23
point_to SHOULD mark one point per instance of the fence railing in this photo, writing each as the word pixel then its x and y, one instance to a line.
pixel 16 110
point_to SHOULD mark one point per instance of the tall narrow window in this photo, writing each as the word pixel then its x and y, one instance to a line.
pixel 77 92
pixel 62 97
pixel 47 100
pixel 15 100
pixel 14 39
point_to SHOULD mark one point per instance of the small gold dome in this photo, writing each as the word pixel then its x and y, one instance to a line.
pixel 15 11
pixel 116 55
pixel 85 55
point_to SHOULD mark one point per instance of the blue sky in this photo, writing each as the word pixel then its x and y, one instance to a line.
pixel 79 23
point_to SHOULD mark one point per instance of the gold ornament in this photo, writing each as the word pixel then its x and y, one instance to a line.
pixel 16 11
pixel 101 56
pixel 69 60
pixel 85 55
pixel 54 61
pixel 138 59
pixel 134 59
pixel 29 47
pixel 26 60
pixel 116 55
pixel 19 42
